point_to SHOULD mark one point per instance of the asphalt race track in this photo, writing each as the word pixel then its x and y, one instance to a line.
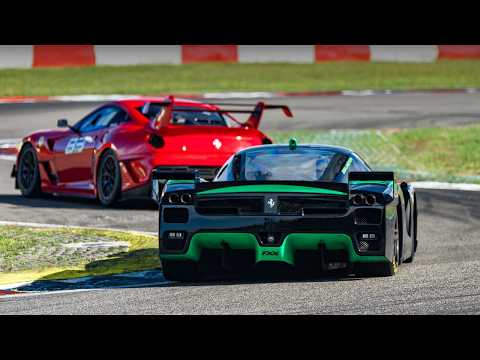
pixel 444 278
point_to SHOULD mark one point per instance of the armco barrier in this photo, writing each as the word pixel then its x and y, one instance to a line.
pixel 28 56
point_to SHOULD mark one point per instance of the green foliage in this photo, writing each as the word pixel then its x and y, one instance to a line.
pixel 38 249
pixel 196 78
pixel 441 154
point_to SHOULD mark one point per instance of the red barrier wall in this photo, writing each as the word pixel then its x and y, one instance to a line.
pixel 342 52
pixel 455 52
pixel 209 53
pixel 63 55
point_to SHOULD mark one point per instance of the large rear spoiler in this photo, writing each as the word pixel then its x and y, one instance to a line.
pixel 371 176
pixel 160 178
pixel 174 175
pixel 386 178
pixel 253 121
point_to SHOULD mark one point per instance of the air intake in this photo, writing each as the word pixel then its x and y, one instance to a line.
pixel 368 216
pixel 175 215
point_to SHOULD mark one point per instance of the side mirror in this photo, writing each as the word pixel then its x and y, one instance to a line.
pixel 62 123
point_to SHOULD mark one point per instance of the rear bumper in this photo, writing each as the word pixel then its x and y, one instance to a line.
pixel 286 252
pixel 291 233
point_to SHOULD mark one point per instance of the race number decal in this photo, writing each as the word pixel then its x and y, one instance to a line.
pixel 75 145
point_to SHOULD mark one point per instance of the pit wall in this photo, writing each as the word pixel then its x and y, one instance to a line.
pixel 33 56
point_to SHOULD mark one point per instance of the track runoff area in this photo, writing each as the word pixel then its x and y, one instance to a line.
pixel 443 279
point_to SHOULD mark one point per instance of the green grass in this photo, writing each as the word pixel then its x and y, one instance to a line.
pixel 444 154
pixel 28 254
pixel 197 78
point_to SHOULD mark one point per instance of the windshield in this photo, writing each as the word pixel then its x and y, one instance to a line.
pixel 188 118
pixel 283 164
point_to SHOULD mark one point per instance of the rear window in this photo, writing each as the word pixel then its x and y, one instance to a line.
pixel 287 165
pixel 205 118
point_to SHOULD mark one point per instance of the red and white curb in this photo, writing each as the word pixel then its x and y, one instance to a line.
pixel 231 95
pixel 8 292
pixel 9 149
pixel 40 56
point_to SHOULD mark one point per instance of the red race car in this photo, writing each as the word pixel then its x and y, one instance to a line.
pixel 111 153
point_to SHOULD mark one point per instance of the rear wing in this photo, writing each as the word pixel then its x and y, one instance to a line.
pixel 256 114
pixel 160 178
pixel 175 175
pixel 386 178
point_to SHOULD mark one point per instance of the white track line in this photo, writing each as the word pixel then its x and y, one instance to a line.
pixel 93 98
pixel 240 95
pixel 14 285
pixel 8 157
pixel 434 185
pixel 9 144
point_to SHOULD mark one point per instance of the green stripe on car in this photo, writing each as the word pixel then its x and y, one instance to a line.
pixel 347 165
pixel 371 182
pixel 174 182
pixel 271 189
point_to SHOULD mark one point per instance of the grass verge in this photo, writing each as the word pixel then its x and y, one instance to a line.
pixel 195 78
pixel 442 154
pixel 28 254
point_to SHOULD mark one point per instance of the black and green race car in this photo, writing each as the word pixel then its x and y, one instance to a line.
pixel 311 208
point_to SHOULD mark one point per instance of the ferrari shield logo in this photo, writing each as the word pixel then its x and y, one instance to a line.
pixel 271 203
pixel 217 143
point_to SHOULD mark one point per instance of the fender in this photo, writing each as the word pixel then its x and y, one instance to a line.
pixel 407 212
pixel 408 193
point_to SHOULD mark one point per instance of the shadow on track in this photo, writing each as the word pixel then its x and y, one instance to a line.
pixel 148 258
pixel 50 201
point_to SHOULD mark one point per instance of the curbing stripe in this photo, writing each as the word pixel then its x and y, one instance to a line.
pixel 232 95
pixel 209 53
pixel 63 55
pixel 342 53
pixel 8 149
pixel 8 292
pixel 404 53
pixel 34 56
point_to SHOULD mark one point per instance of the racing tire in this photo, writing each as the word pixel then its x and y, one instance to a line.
pixel 385 269
pixel 183 271
pixel 28 173
pixel 108 179
pixel 414 235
